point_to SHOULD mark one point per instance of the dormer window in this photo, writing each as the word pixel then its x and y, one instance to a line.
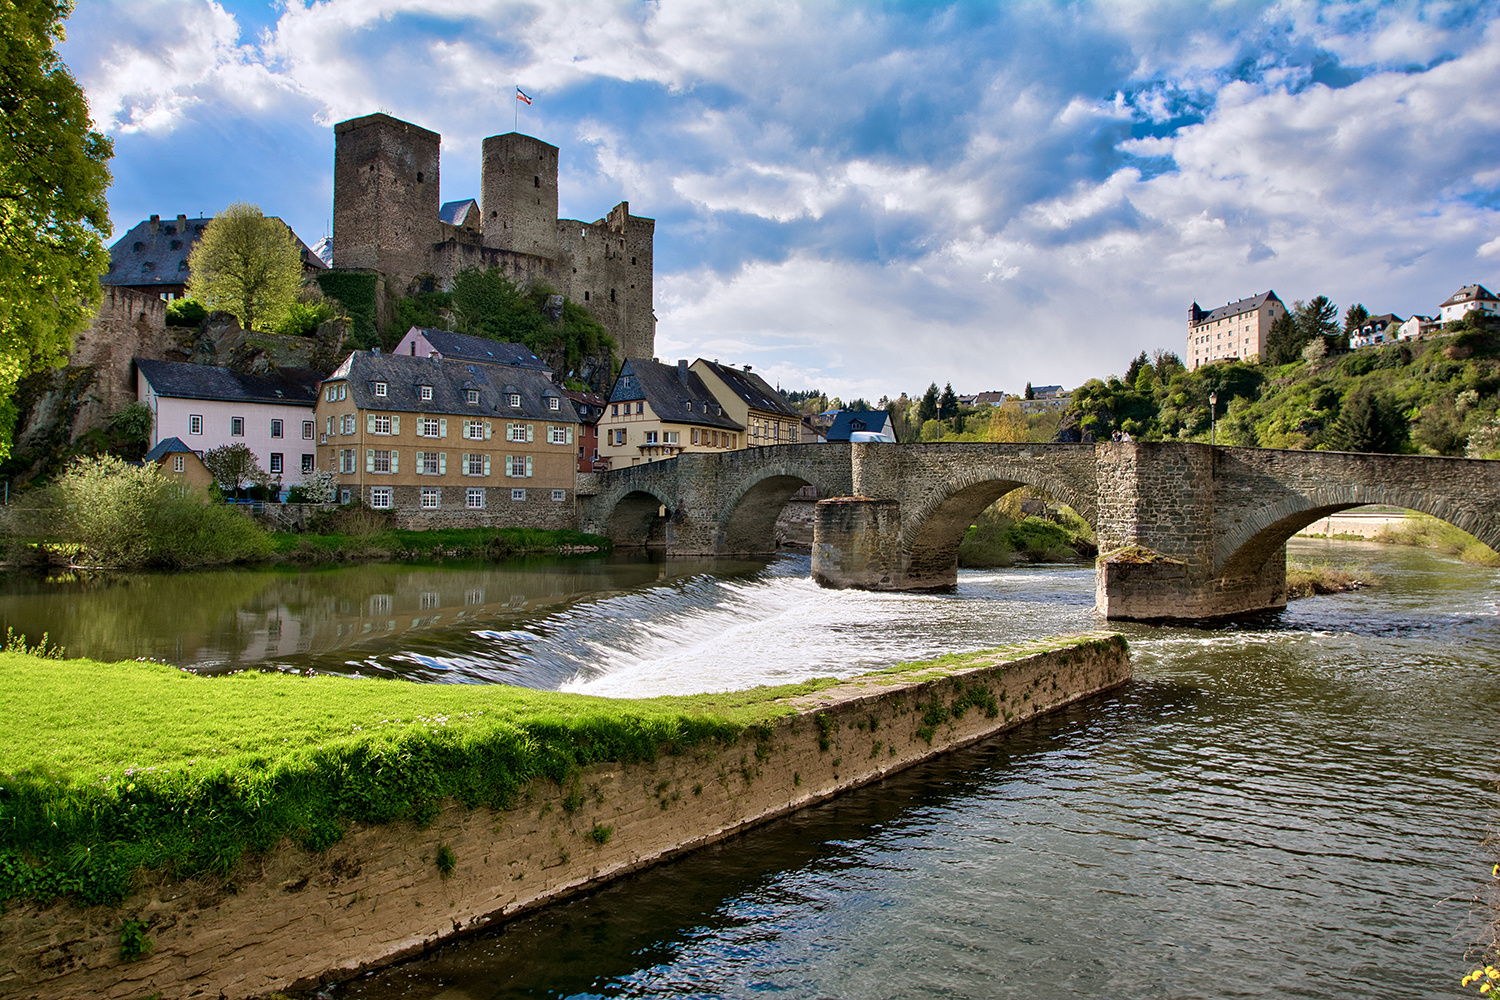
pixel 688 404
pixel 380 388
pixel 424 391
pixel 472 395
pixel 514 399
pixel 553 403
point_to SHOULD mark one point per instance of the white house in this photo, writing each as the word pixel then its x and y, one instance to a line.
pixel 1376 330
pixel 208 407
pixel 1416 328
pixel 1466 300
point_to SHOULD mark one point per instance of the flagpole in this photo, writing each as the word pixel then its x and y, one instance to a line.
pixel 516 122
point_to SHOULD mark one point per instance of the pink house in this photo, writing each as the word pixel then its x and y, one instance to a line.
pixel 208 407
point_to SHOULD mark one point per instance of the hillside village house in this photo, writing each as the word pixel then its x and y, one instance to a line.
pixel 179 463
pixel 750 401
pixel 862 425
pixel 660 411
pixel 1376 330
pixel 1417 327
pixel 443 443
pixel 1466 300
pixel 207 408
pixel 590 407
pixel 1237 330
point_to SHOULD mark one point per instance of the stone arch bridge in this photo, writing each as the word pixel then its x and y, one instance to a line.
pixel 1185 530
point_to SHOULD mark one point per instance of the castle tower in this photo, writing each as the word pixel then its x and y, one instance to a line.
pixel 385 195
pixel 518 194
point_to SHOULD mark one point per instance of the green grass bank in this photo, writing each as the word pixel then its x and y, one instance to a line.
pixel 431 545
pixel 111 771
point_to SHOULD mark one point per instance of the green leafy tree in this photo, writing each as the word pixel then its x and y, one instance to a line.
pixel 947 403
pixel 1368 421
pixel 233 467
pixel 53 214
pixel 248 265
pixel 927 409
pixel 1166 364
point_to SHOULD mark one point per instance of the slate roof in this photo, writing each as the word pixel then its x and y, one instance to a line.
pixel 874 421
pixel 141 258
pixel 588 404
pixel 179 380
pixel 670 389
pixel 752 389
pixel 165 447
pixel 1469 293
pixel 1254 302
pixel 450 381
pixel 453 212
pixel 462 347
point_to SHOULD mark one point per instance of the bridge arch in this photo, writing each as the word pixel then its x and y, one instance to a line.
pixel 634 519
pixel 747 517
pixel 1243 551
pixel 932 530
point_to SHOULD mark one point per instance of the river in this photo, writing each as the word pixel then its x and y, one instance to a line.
pixel 1291 807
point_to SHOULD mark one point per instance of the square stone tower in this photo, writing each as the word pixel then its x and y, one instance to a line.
pixel 385 195
pixel 518 194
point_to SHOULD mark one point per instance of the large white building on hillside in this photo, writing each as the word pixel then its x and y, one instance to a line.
pixel 1237 330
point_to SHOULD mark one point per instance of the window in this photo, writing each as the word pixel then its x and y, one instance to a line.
pixel 474 465
pixel 276 463
pixel 553 403
pixel 559 494
pixel 640 406
pixel 309 463
pixel 430 427
pixel 344 496
pixel 614 409
pixel 695 437
pixel 687 404
pixel 179 463
pixel 195 424
pixel 474 498
pixel 474 430
pixel 429 463
pixel 669 437
pixel 348 423
pixel 518 494
pixel 380 497
pixel 307 430
pixel 650 437
pixel 380 460
pixel 559 435
pixel 346 462
pixel 425 391
pixel 237 427
pixel 619 436
pixel 472 395
pixel 517 432
pixel 276 428
pixel 380 425
pixel 432 497
pixel 514 399
pixel 520 466
pixel 380 388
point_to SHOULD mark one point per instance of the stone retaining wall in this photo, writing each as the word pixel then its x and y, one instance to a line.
pixel 295 918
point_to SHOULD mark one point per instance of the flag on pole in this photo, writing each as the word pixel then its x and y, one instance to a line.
pixel 521 96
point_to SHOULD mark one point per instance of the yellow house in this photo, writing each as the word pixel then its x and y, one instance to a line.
pixel 659 411
pixel 180 463
pixel 749 400
pixel 446 444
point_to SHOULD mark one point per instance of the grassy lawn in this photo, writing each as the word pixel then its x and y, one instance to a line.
pixel 494 542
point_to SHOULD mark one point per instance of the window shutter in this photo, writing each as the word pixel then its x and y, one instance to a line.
pixel 369 423
pixel 395 424
pixel 486 465
pixel 528 466
pixel 442 463
pixel 570 435
pixel 369 459
pixel 443 427
pixel 395 460
pixel 530 428
pixel 508 460
pixel 488 430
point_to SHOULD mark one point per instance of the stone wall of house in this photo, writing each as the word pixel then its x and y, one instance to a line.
pixel 537 509
pixel 295 918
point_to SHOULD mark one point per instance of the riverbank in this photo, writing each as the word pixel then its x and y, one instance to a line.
pixel 434 545
pixel 196 811
pixel 1313 579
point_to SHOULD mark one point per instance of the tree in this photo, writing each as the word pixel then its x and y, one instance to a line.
pixel 53 214
pixel 1167 364
pixel 1030 392
pixel 1284 341
pixel 233 466
pixel 1317 318
pixel 248 265
pixel 947 403
pixel 1368 421
pixel 927 409
pixel 1355 317
pixel 1141 361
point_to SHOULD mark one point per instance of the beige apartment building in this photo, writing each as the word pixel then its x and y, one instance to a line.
pixel 750 401
pixel 658 411
pixel 1237 330
pixel 442 443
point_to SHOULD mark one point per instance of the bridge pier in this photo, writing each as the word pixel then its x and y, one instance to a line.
pixel 857 545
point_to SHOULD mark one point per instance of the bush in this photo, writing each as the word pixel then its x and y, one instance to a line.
pixel 302 319
pixel 186 312
pixel 127 517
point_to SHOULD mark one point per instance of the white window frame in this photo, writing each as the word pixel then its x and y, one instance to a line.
pixel 307 430
pixel 381 497
pixel 430 463
pixel 670 437
pixel 472 396
pixel 277 426
pixel 553 403
pixel 348 423
pixel 277 464
pixel 560 435
pixel 346 461
pixel 431 498
pixel 179 463
pixel 430 427
pixel 474 463
pixel 424 392
pixel 380 389
pixel 382 424
pixel 474 498
pixel 382 458
pixel 514 399
pixel 237 427
pixel 559 494
pixel 651 437
pixel 195 423
pixel 473 430
pixel 518 432
pixel 518 493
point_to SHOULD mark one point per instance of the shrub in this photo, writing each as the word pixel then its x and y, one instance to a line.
pixel 186 312
pixel 302 319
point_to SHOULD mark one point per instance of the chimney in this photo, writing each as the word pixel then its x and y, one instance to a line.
pixel 747 368
pixel 155 224
pixel 682 371
pixel 181 223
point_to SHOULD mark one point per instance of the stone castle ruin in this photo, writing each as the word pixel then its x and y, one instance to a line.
pixel 387 218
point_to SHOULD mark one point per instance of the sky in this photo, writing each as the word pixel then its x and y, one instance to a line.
pixel 863 197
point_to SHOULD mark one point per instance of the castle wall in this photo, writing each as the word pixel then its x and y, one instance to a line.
pixel 518 197
pixel 385 204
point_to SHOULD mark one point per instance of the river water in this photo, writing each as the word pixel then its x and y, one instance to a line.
pixel 1291 807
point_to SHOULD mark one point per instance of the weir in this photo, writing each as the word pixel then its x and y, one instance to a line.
pixel 1185 530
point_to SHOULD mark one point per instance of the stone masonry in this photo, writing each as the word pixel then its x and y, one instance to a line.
pixel 1185 530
